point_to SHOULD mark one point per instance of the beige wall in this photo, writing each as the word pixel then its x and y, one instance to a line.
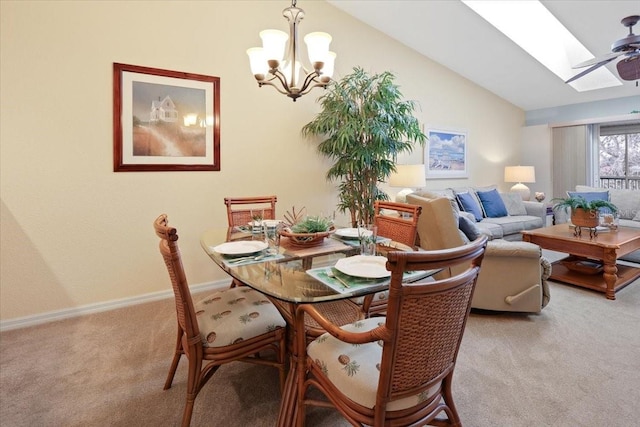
pixel 74 233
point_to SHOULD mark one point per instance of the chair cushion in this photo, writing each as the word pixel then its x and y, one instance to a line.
pixel 381 296
pixel 236 314
pixel 354 368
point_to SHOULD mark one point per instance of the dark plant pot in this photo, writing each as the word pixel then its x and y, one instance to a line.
pixel 585 218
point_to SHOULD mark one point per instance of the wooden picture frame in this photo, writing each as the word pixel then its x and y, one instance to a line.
pixel 446 154
pixel 165 120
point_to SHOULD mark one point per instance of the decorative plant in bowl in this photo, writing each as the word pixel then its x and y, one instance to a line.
pixel 306 230
pixel 584 213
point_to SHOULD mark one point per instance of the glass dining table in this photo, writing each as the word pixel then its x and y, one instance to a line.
pixel 294 274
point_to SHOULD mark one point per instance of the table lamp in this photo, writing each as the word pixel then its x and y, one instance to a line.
pixel 520 174
pixel 408 177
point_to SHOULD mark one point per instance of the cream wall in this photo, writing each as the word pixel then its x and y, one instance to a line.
pixel 76 234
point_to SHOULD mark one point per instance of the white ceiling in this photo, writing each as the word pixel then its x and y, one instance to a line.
pixel 453 35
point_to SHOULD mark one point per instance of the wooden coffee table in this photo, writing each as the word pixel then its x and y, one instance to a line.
pixel 604 248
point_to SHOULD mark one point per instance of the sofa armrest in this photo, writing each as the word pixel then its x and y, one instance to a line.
pixel 536 209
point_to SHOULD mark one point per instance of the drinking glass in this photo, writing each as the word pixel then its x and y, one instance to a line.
pixel 272 235
pixel 367 235
pixel 257 217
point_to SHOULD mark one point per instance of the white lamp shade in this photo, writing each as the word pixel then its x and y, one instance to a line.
pixel 329 62
pixel 257 60
pixel 412 176
pixel 317 46
pixel 519 174
pixel 273 42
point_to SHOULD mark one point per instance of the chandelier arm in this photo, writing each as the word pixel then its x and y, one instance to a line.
pixel 311 77
pixel 275 86
pixel 282 79
pixel 307 90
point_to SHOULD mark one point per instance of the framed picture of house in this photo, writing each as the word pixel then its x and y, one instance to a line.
pixel 446 154
pixel 165 120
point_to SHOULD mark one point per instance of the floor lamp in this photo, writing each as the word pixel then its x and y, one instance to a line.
pixel 407 177
pixel 520 174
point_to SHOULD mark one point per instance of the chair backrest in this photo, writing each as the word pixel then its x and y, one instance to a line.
pixel 426 321
pixel 171 253
pixel 397 221
pixel 242 216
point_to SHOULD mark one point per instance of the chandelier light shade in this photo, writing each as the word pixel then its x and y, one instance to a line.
pixel 278 65
pixel 520 174
pixel 408 177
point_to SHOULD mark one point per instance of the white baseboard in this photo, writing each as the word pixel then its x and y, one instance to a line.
pixel 38 319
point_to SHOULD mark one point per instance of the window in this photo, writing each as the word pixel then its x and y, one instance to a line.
pixel 619 157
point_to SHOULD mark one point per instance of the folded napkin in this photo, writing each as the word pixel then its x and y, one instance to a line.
pixel 253 259
pixel 356 242
pixel 323 274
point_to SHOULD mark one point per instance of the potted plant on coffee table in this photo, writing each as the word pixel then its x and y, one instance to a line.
pixel 366 125
pixel 584 213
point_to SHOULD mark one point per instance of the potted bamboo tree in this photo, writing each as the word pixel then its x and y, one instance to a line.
pixel 366 124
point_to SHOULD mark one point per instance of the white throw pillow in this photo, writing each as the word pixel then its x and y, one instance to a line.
pixel 514 203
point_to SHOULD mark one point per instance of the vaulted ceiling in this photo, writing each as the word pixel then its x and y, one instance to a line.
pixel 453 35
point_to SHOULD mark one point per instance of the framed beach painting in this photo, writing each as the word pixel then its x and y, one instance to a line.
pixel 165 120
pixel 446 154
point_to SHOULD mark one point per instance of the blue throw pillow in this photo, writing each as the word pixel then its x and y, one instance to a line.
pixel 492 203
pixel 468 228
pixel 468 203
pixel 590 196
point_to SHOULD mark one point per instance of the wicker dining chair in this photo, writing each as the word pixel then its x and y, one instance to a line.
pixel 235 324
pixel 239 208
pixel 394 370
pixel 399 222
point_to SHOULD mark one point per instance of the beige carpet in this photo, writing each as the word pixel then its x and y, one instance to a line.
pixel 575 364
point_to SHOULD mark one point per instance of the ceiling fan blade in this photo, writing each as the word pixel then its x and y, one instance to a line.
pixel 608 57
pixel 588 70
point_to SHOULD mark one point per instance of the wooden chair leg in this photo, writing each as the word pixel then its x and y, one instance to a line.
pixel 176 359
pixel 282 357
pixel 188 411
pixel 193 387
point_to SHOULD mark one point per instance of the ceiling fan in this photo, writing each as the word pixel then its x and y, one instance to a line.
pixel 628 47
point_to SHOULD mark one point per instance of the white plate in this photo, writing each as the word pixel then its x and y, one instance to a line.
pixel 352 233
pixel 241 247
pixel 371 267
pixel 272 222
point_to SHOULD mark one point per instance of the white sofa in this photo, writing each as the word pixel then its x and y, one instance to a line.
pixel 521 215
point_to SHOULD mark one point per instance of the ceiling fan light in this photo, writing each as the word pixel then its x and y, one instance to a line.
pixel 629 69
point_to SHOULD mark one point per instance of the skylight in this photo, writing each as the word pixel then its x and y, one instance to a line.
pixel 532 27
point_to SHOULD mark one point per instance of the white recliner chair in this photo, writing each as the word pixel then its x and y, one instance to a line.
pixel 513 276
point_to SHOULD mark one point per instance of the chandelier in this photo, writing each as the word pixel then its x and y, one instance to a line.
pixel 271 67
